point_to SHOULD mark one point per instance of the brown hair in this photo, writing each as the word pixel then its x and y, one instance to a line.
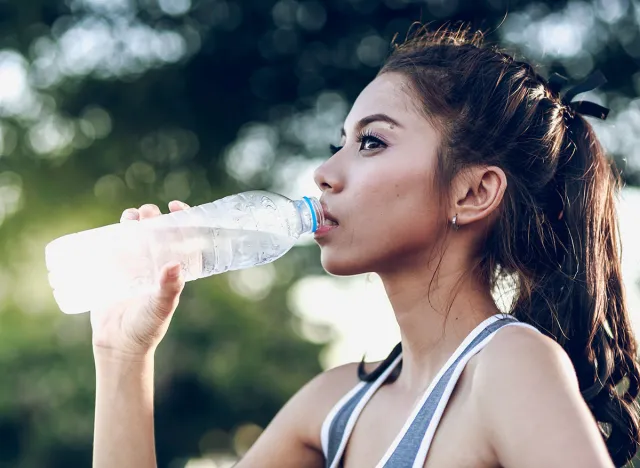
pixel 557 232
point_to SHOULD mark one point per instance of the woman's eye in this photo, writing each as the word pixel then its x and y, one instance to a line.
pixel 371 143
pixel 367 143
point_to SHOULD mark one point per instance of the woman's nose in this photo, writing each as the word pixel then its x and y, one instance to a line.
pixel 326 178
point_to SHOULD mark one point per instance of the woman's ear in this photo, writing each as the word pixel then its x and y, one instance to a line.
pixel 478 191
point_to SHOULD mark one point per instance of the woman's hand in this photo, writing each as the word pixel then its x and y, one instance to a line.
pixel 133 328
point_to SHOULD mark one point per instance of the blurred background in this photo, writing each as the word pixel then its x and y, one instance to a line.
pixel 109 104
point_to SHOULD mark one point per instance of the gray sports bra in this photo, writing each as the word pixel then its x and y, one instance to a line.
pixel 411 445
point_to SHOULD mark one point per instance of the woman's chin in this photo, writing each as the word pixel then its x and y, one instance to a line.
pixel 341 266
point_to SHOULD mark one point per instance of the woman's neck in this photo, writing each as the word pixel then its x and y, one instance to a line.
pixel 434 318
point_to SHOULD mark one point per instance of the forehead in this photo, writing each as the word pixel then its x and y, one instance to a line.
pixel 389 94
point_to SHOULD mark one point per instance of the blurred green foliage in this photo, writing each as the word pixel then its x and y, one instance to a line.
pixel 107 104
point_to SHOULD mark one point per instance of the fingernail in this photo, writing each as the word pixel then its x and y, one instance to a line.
pixel 184 205
pixel 128 214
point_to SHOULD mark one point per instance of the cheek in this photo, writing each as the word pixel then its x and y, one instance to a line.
pixel 388 220
pixel 409 224
pixel 404 203
pixel 372 246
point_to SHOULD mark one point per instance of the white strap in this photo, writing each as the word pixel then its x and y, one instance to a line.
pixel 470 337
pixel 324 435
pixel 357 410
pixel 421 456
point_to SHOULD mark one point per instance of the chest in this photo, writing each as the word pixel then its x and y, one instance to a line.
pixel 458 441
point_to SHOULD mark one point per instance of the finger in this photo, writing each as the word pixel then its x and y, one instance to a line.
pixel 130 214
pixel 171 285
pixel 177 205
pixel 149 211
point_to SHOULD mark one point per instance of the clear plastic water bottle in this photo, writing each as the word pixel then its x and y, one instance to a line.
pixel 100 266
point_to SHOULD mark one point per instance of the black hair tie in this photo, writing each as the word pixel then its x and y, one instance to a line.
pixel 556 82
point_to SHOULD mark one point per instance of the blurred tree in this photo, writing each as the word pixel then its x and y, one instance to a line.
pixel 106 104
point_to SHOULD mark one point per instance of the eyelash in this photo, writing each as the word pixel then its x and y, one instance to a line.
pixel 362 137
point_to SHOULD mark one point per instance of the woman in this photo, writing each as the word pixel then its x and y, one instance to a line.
pixel 459 167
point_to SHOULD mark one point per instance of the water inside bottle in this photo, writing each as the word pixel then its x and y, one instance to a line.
pixel 83 276
pixel 221 250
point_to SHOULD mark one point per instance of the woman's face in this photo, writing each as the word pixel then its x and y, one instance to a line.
pixel 378 185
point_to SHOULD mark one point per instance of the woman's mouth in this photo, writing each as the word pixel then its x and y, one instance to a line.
pixel 330 222
pixel 328 226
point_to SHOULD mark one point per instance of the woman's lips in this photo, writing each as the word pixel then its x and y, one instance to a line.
pixel 325 229
pixel 330 222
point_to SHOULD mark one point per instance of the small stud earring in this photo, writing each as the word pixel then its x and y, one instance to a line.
pixel 454 222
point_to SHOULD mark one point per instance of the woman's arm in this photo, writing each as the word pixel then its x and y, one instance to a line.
pixel 125 337
pixel 124 435
pixel 123 431
pixel 531 406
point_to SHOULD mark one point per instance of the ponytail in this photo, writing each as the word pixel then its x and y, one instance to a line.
pixel 581 284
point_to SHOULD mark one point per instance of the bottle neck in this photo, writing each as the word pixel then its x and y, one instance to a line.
pixel 311 214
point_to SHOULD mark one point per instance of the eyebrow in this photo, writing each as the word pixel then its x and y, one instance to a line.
pixel 373 118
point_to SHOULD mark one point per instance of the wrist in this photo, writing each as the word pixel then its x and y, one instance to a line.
pixel 115 357
pixel 123 374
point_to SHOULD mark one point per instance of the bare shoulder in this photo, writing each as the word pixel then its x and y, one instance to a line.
pixel 336 382
pixel 327 388
pixel 330 385
pixel 293 438
pixel 519 353
pixel 530 408
pixel 314 401
pixel 521 368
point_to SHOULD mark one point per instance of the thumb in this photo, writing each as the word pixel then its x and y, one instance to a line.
pixel 170 288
